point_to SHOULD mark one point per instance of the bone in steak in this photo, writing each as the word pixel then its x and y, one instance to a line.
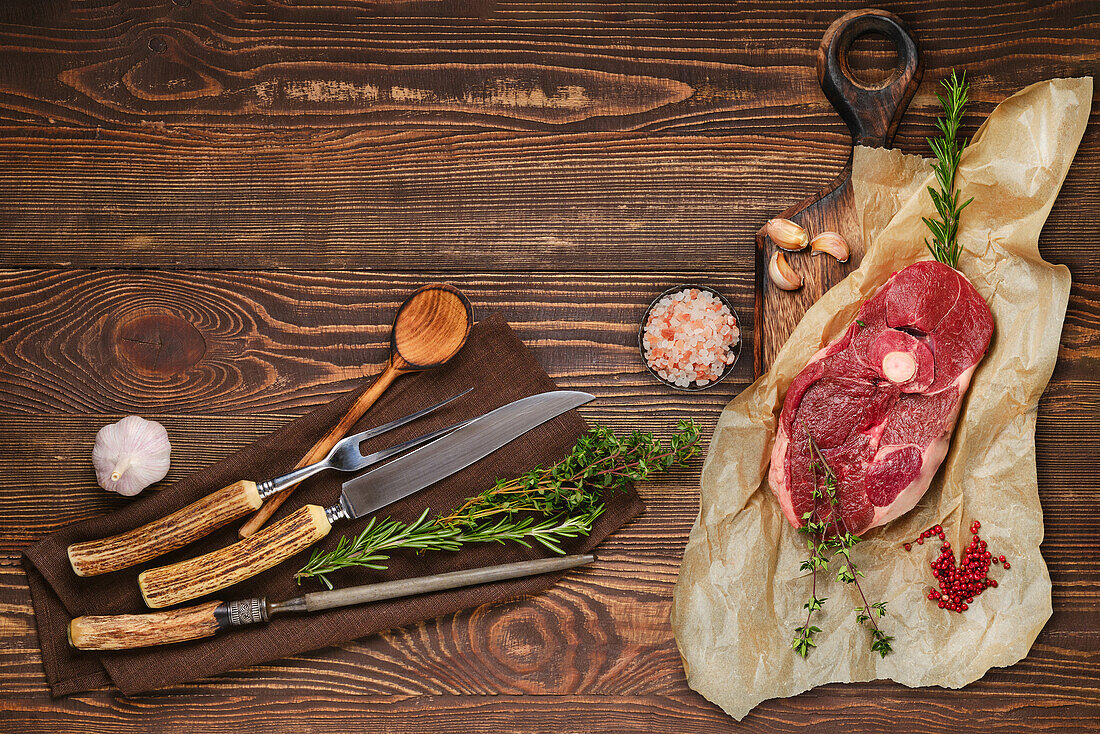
pixel 880 401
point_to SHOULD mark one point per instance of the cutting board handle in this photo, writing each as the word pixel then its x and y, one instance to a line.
pixel 872 113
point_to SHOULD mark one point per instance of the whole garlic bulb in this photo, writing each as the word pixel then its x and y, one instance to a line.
pixel 130 455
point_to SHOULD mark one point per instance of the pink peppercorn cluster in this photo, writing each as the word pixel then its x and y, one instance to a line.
pixel 958 585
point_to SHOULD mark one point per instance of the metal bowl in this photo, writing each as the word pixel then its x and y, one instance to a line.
pixel 736 347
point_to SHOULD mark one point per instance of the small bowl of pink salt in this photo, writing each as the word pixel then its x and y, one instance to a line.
pixel 690 337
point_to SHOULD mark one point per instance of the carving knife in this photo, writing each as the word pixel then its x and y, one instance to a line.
pixel 186 580
pixel 126 631
pixel 204 516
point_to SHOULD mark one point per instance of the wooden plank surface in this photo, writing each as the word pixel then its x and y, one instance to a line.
pixel 211 209
pixel 503 137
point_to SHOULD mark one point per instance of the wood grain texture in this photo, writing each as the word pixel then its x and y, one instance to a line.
pixel 562 163
pixel 185 525
pixel 278 341
pixel 166 586
pixel 173 159
pixel 125 631
pixel 598 635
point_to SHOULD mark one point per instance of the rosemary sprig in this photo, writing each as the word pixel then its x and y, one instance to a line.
pixel 948 149
pixel 830 539
pixel 370 549
pixel 545 506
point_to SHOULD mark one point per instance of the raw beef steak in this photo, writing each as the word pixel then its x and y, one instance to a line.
pixel 881 400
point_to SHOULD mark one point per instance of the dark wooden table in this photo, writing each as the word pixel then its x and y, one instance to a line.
pixel 211 208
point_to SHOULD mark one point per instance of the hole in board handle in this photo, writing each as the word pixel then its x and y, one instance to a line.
pixel 871 61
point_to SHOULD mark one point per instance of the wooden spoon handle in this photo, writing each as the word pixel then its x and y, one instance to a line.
pixel 190 579
pixel 156 538
pixel 126 631
pixel 393 370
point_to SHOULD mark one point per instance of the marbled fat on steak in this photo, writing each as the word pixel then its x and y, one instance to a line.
pixel 881 400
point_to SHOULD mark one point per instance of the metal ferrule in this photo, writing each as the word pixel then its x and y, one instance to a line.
pixel 266 489
pixel 337 512
pixel 278 484
pixel 246 611
pixel 297 604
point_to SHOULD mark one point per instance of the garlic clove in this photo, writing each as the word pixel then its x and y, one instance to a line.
pixel 830 243
pixel 787 234
pixel 782 274
pixel 130 455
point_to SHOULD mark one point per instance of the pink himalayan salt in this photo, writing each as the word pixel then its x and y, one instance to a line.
pixel 689 337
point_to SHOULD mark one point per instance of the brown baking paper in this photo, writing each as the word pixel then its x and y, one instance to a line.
pixel 740 592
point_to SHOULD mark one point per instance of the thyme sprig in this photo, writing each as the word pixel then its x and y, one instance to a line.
pixel 600 461
pixel 829 540
pixel 545 505
pixel 948 149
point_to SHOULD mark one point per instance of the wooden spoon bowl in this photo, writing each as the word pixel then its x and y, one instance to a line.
pixel 429 329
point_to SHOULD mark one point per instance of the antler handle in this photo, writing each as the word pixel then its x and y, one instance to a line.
pixel 156 538
pixel 190 579
pixel 125 631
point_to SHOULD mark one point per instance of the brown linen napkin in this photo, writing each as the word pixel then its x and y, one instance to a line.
pixel 500 368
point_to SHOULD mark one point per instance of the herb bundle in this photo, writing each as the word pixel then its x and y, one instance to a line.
pixel 948 149
pixel 545 505
pixel 829 540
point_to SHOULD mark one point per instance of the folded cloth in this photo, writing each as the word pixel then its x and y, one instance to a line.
pixel 494 362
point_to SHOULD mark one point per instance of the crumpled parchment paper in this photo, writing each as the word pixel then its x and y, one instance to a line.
pixel 740 592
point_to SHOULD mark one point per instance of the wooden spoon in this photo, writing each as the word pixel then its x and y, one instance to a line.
pixel 430 328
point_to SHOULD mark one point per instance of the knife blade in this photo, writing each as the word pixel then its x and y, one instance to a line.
pixel 452 453
pixel 186 580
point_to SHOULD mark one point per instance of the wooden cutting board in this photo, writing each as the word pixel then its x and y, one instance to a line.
pixel 872 115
